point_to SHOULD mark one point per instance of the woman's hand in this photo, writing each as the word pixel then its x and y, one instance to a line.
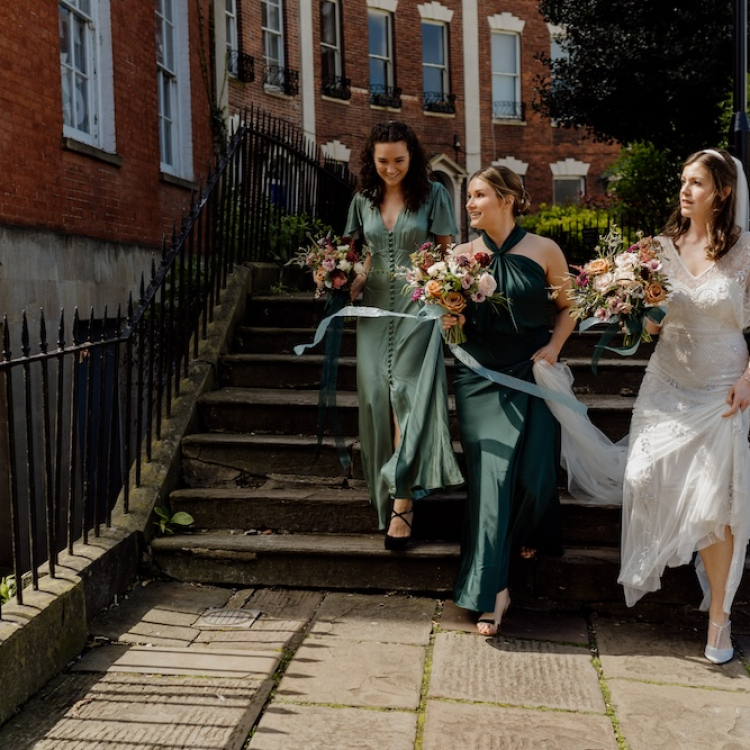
pixel 738 396
pixel 450 320
pixel 548 354
pixel 357 285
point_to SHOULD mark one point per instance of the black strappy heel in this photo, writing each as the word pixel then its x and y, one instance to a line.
pixel 397 543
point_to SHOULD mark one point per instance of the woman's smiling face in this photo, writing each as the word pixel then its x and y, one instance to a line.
pixel 483 203
pixel 391 161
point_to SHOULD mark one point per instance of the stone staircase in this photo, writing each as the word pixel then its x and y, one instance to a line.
pixel 269 513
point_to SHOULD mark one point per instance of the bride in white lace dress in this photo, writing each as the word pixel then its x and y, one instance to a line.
pixel 687 477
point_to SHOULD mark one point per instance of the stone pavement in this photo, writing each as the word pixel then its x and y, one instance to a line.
pixel 177 665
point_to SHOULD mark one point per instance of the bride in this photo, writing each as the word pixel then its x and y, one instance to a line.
pixel 685 484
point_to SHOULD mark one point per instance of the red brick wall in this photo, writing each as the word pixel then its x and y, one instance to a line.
pixel 50 187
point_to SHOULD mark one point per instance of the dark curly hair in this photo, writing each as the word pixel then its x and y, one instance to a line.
pixel 417 180
pixel 721 223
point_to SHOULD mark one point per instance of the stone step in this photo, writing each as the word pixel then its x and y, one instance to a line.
pixel 343 507
pixel 295 412
pixel 614 376
pixel 581 576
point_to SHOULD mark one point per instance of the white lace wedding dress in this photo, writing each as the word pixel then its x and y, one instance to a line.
pixel 688 470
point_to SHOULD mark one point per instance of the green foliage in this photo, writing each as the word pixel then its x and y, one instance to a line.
pixel 645 182
pixel 167 523
pixel 635 70
pixel 289 232
pixel 7 588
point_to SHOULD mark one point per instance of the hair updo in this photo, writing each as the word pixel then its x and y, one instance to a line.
pixel 505 182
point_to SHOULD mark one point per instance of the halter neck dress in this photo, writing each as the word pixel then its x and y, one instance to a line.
pixel 511 441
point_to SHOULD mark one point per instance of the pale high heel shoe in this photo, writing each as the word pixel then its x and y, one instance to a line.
pixel 713 652
pixel 493 623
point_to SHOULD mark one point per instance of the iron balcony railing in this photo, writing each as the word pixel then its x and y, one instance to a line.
pixel 385 96
pixel 437 101
pixel 241 66
pixel 281 79
pixel 513 110
pixel 80 411
pixel 337 87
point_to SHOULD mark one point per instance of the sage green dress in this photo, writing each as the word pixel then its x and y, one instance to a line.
pixel 400 366
pixel 510 439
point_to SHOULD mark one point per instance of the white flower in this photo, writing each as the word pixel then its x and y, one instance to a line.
pixel 437 268
pixel 486 284
pixel 359 267
pixel 627 260
pixel 344 265
pixel 603 282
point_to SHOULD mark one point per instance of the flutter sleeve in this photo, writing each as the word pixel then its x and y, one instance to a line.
pixel 442 220
pixel 354 221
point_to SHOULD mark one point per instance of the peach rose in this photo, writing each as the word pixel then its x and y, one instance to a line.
pixel 433 289
pixel 654 293
pixel 598 265
pixel 453 302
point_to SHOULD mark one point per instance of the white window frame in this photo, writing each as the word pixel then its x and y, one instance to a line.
pixel 504 75
pixel 337 47
pixel 434 66
pixel 94 73
pixel 270 31
pixel 388 58
pixel 569 170
pixel 232 31
pixel 173 89
pixel 580 190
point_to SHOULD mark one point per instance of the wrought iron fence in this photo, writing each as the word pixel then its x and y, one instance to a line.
pixel 79 413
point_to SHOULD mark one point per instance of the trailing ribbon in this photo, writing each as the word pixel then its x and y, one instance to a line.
pixel 633 327
pixel 431 313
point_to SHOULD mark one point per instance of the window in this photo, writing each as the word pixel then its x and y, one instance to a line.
pixel 172 63
pixel 273 42
pixel 86 72
pixel 567 191
pixel 435 83
pixel 233 47
pixel 382 91
pixel 331 65
pixel 506 79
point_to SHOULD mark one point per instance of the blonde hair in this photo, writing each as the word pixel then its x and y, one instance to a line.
pixel 505 182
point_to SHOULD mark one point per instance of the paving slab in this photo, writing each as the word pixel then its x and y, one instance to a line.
pixel 161 660
pixel 514 672
pixel 663 653
pixel 285 726
pixel 521 623
pixel 266 633
pixel 452 725
pixel 668 717
pixel 286 604
pixel 362 617
pixel 350 673
pixel 136 712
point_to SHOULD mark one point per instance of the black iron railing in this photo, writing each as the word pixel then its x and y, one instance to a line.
pixel 514 110
pixel 385 96
pixel 337 87
pixel 241 66
pixel 281 79
pixel 80 412
pixel 436 101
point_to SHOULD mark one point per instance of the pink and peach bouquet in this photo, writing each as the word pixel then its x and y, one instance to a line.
pixel 333 261
pixel 622 286
pixel 446 277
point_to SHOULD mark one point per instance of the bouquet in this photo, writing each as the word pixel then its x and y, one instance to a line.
pixel 334 262
pixel 622 287
pixel 449 278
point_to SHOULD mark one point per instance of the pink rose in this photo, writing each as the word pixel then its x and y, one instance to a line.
pixel 486 284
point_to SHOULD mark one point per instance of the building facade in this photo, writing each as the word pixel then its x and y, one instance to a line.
pixel 461 72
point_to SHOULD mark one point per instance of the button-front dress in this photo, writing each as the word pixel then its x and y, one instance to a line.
pixel 400 365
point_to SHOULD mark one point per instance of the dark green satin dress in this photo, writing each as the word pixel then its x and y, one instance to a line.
pixel 510 439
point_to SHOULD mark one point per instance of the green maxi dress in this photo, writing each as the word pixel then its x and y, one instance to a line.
pixel 400 367
pixel 510 439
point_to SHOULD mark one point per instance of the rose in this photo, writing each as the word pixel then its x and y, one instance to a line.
pixel 603 282
pixel 338 279
pixel 654 293
pixel 598 266
pixel 453 302
pixel 486 285
pixel 482 258
pixel 627 261
pixel 433 289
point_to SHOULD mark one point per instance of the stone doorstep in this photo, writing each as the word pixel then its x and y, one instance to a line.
pixel 193 661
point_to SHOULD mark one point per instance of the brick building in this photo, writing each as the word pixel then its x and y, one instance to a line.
pixel 461 72
pixel 105 129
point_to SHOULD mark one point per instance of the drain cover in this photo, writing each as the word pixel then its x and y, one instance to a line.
pixel 227 618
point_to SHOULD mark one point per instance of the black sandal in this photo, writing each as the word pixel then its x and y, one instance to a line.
pixel 396 543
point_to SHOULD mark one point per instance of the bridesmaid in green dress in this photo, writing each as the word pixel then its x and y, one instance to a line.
pixel 401 381
pixel 510 439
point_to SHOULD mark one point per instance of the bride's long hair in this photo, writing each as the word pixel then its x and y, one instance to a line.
pixel 722 233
